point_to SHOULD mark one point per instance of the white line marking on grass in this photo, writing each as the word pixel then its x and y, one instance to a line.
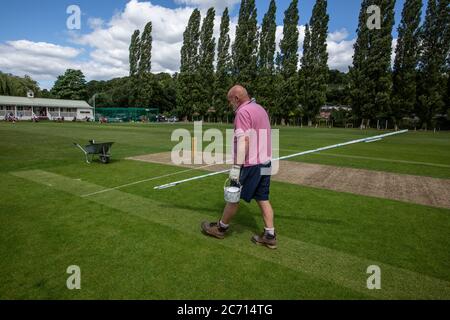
pixel 147 180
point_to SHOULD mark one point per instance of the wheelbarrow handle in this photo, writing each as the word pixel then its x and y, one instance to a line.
pixel 84 151
pixel 77 145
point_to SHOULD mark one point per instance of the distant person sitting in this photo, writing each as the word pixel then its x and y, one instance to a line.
pixel 12 118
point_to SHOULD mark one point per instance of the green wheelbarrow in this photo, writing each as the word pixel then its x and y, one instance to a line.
pixel 100 149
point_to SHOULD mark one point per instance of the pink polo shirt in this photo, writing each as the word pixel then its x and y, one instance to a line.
pixel 253 122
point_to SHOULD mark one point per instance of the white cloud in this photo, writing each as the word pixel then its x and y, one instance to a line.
pixel 394 47
pixel 340 50
pixel 43 49
pixel 43 61
pixel 340 54
pixel 338 35
pixel 204 4
pixel 95 23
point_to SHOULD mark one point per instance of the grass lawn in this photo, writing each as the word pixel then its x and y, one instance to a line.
pixel 137 243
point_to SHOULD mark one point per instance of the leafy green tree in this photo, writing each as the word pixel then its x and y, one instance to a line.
pixel 4 85
pixel 314 73
pixel 134 53
pixel 145 50
pixel 46 94
pixel 245 47
pixel 122 94
pixel 151 90
pixel 11 85
pixel 337 88
pixel 223 73
pixel 164 97
pixel 288 85
pixel 265 93
pixel 433 61
pixel 71 85
pixel 206 67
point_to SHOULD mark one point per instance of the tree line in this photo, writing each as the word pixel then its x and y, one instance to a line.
pixel 414 90
pixel 417 86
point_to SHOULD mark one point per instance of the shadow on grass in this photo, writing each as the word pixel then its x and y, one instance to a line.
pixel 244 221
pixel 309 219
pixel 96 161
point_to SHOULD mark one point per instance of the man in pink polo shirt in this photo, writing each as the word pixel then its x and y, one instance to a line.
pixel 251 169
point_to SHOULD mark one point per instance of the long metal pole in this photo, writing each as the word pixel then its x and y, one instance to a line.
pixel 369 139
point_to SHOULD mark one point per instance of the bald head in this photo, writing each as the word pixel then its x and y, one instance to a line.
pixel 237 96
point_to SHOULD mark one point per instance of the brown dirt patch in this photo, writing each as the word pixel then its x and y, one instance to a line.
pixel 408 188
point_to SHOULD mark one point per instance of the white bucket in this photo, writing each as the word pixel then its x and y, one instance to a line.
pixel 232 194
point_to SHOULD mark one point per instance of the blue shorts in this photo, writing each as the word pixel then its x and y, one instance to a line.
pixel 254 184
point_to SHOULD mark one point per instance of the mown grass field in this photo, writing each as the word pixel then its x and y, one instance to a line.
pixel 137 243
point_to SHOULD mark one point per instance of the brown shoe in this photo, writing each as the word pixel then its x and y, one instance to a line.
pixel 213 230
pixel 265 240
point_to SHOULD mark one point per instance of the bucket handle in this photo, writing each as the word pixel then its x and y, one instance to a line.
pixel 227 182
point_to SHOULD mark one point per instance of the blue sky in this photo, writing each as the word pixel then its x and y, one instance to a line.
pixel 35 40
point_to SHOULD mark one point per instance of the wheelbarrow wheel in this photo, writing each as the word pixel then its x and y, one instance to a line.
pixel 104 159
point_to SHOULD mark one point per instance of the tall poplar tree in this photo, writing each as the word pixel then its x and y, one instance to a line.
pixel 288 86
pixel 357 71
pixel 379 71
pixel 134 52
pixel 223 73
pixel 245 47
pixel 188 86
pixel 433 62
pixel 145 50
pixel 206 62
pixel 371 72
pixel 265 93
pixel 314 72
pixel 406 60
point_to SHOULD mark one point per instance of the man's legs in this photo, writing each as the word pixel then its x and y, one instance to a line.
pixel 229 212
pixel 219 229
pixel 267 213
pixel 267 239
